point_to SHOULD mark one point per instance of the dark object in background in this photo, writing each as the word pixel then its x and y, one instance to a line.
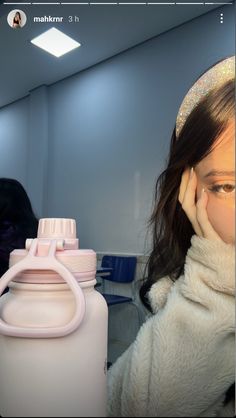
pixel 230 394
pixel 17 220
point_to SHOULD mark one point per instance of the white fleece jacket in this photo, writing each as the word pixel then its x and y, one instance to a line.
pixel 183 359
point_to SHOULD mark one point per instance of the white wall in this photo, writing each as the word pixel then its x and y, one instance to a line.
pixel 14 140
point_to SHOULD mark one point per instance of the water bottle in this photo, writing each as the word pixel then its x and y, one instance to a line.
pixel 53 328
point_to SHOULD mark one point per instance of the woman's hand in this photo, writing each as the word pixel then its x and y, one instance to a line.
pixel 196 211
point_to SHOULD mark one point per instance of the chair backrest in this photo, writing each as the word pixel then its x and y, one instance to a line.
pixel 123 268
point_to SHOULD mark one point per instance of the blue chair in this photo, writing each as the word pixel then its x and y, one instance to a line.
pixel 121 275
pixel 123 271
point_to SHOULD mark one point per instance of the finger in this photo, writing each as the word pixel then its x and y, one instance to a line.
pixel 190 192
pixel 183 184
pixel 196 227
pixel 188 202
pixel 203 220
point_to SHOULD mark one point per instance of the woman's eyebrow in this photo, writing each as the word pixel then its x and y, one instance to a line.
pixel 214 173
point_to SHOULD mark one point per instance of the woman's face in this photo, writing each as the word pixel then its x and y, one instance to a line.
pixel 216 174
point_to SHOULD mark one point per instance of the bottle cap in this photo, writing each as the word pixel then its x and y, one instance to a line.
pixel 81 263
pixel 56 228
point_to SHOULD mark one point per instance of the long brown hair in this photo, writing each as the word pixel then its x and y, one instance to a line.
pixel 171 229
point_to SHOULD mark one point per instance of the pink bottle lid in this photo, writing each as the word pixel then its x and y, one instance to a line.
pixel 82 263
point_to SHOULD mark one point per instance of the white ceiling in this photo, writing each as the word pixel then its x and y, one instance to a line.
pixel 102 30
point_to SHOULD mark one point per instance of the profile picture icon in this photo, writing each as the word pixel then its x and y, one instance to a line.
pixel 16 19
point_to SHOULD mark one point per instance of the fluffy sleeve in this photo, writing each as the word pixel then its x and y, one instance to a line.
pixel 183 359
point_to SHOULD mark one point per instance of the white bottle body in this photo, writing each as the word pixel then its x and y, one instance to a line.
pixel 55 377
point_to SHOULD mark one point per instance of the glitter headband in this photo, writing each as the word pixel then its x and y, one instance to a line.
pixel 215 76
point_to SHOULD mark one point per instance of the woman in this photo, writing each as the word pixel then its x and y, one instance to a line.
pixel 182 361
pixel 17 219
pixel 16 20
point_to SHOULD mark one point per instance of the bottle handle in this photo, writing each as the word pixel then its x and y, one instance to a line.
pixel 49 262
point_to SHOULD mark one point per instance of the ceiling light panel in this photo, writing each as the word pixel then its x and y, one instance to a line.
pixel 55 42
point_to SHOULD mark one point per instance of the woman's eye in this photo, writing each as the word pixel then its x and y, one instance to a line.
pixel 223 188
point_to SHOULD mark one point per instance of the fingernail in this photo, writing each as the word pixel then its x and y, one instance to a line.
pixel 202 192
pixel 191 172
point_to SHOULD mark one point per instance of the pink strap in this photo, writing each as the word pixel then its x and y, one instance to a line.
pixel 49 262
